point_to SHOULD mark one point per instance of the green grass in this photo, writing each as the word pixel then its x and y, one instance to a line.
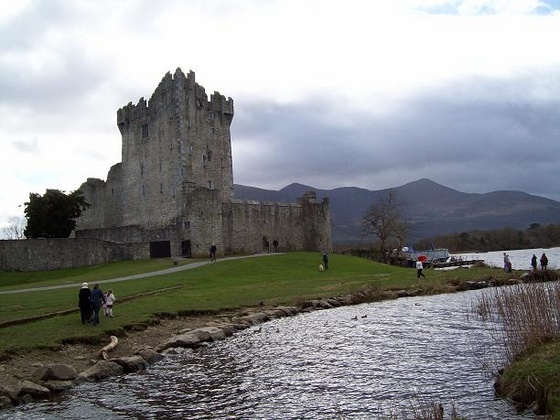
pixel 535 378
pixel 84 274
pixel 281 279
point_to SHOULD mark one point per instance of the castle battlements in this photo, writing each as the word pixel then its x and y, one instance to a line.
pixel 172 91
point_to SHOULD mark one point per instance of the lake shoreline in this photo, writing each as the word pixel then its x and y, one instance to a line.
pixel 83 355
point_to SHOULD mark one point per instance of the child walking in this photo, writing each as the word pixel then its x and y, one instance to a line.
pixel 109 301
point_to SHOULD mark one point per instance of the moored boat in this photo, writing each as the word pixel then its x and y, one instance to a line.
pixel 429 256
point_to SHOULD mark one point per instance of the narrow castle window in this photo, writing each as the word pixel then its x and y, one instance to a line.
pixel 210 115
pixel 161 188
pixel 144 131
pixel 141 169
pixel 210 185
pixel 209 154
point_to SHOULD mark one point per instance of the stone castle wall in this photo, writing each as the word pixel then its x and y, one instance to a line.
pixel 54 254
pixel 236 226
pixel 295 226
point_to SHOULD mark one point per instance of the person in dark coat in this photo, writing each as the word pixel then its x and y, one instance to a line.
pixel 544 261
pixel 213 250
pixel 84 303
pixel 325 260
pixel 97 301
pixel 534 262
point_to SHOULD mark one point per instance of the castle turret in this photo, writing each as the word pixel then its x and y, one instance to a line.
pixel 173 143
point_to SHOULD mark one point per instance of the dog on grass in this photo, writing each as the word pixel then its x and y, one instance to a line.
pixel 321 268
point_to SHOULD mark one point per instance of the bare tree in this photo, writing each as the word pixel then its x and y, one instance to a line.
pixel 384 221
pixel 15 228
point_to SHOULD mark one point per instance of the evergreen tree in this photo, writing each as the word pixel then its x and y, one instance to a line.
pixel 52 215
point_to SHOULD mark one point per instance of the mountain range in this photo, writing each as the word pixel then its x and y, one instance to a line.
pixel 430 208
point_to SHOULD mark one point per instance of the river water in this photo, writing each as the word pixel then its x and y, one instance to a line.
pixel 395 358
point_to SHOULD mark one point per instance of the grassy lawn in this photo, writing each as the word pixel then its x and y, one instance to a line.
pixel 536 376
pixel 85 274
pixel 281 279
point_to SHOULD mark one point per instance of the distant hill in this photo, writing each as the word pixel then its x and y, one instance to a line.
pixel 430 208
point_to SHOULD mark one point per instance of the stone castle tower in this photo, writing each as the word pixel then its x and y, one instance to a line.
pixel 174 186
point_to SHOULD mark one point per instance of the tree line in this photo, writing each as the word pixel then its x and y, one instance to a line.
pixel 535 236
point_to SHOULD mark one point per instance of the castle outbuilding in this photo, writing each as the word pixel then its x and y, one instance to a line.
pixel 174 187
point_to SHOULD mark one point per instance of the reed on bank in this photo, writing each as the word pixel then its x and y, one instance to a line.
pixel 525 320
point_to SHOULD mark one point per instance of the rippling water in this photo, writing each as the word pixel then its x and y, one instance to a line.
pixel 396 356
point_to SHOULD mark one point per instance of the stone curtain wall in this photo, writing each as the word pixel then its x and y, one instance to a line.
pixel 204 221
pixel 248 222
pixel 106 200
pixel 53 254
pixel 297 227
pixel 316 217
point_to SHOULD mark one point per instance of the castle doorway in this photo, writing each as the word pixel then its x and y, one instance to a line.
pixel 186 249
pixel 160 249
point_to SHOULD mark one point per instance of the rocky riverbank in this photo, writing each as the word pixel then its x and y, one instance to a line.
pixel 42 374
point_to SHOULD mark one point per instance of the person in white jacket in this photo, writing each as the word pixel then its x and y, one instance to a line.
pixel 109 301
pixel 419 268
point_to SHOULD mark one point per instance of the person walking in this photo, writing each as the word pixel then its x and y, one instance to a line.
pixel 109 301
pixel 534 262
pixel 97 300
pixel 419 269
pixel 84 303
pixel 507 263
pixel 325 260
pixel 544 261
pixel 213 250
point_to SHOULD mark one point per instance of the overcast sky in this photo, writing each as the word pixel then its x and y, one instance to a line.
pixel 328 93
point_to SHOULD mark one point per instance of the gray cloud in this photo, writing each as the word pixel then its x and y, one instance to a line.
pixel 478 135
pixel 66 67
pixel 27 146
